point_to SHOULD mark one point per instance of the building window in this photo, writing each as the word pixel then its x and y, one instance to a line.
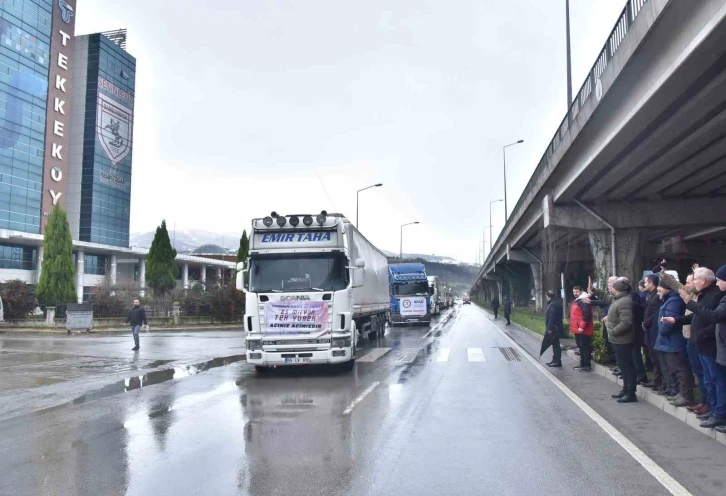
pixel 95 265
pixel 18 257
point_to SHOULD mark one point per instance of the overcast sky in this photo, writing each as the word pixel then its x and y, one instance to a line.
pixel 244 107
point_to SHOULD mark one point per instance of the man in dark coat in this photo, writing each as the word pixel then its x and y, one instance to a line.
pixel 136 318
pixel 508 309
pixel 650 329
pixel 495 306
pixel 554 327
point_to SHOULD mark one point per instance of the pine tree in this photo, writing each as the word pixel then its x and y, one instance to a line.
pixel 244 247
pixel 56 285
pixel 161 271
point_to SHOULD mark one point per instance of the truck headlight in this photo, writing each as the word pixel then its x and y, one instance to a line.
pixel 254 344
pixel 341 343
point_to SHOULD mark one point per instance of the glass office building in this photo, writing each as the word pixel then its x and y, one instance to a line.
pixel 25 34
pixel 107 110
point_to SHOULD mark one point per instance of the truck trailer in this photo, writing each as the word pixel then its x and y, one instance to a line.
pixel 410 299
pixel 314 285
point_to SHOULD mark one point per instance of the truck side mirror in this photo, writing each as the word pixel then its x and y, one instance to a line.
pixel 240 277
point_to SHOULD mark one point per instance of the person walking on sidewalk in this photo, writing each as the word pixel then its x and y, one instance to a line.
pixel 508 309
pixel 554 327
pixel 704 332
pixel 495 306
pixel 672 345
pixel 136 318
pixel 622 335
pixel 581 326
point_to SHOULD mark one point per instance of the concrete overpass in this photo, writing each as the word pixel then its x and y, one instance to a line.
pixel 637 169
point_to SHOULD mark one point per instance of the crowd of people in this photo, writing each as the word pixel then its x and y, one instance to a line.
pixel 676 331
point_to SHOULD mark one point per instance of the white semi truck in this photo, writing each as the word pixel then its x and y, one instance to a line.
pixel 437 295
pixel 314 285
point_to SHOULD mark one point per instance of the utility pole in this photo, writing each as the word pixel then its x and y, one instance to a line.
pixel 569 57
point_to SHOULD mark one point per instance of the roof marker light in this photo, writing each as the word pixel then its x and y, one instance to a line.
pixel 308 220
pixel 281 220
pixel 294 221
pixel 267 221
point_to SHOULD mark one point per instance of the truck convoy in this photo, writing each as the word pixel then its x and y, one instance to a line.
pixel 313 285
pixel 436 295
pixel 410 299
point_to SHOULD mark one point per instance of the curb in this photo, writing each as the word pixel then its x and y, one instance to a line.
pixel 658 401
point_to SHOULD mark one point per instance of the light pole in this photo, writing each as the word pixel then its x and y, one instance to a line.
pixel 485 240
pixel 356 201
pixel 400 252
pixel 569 57
pixel 504 153
pixel 491 240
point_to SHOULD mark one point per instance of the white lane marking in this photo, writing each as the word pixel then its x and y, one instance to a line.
pixel 407 355
pixel 476 355
pixel 672 485
pixel 443 321
pixel 442 355
pixel 373 355
pixel 360 398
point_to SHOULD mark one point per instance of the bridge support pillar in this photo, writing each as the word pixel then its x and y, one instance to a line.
pixel 537 279
pixel 601 253
pixel 628 244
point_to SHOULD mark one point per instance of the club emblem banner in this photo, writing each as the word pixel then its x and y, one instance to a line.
pixel 114 123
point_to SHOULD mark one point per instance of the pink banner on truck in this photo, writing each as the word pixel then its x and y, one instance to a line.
pixel 296 318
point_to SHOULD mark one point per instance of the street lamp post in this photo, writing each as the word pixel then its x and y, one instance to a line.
pixel 356 201
pixel 491 240
pixel 504 153
pixel 400 252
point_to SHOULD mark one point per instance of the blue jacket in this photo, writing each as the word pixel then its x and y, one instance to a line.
pixel 670 337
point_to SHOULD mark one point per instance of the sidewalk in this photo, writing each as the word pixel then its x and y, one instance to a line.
pixel 604 373
pixel 111 330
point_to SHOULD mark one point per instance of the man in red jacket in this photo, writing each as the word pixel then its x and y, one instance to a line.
pixel 581 326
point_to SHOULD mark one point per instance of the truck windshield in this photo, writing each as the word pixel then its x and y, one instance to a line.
pixel 304 272
pixel 415 288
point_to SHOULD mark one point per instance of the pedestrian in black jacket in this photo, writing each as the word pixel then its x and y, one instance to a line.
pixel 136 317
pixel 650 333
pixel 704 332
pixel 554 327
pixel 508 309
pixel 495 306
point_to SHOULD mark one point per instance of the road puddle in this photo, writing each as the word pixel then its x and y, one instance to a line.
pixel 149 379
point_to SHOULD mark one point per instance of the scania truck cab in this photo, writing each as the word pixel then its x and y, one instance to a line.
pixel 313 285
pixel 410 298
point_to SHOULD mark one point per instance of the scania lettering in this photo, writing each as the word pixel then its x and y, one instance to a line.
pixel 409 294
pixel 314 286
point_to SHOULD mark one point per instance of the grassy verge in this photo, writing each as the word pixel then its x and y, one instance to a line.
pixel 525 317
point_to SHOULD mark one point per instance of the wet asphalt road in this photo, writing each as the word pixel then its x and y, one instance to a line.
pixel 450 409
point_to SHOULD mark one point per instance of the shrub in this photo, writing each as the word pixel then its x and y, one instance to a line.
pixel 600 351
pixel 18 299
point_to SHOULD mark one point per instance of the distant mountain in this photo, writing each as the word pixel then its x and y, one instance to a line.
pixel 427 258
pixel 186 240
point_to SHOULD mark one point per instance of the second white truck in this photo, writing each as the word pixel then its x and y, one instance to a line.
pixel 313 286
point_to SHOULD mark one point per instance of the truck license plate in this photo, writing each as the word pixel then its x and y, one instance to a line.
pixel 297 360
